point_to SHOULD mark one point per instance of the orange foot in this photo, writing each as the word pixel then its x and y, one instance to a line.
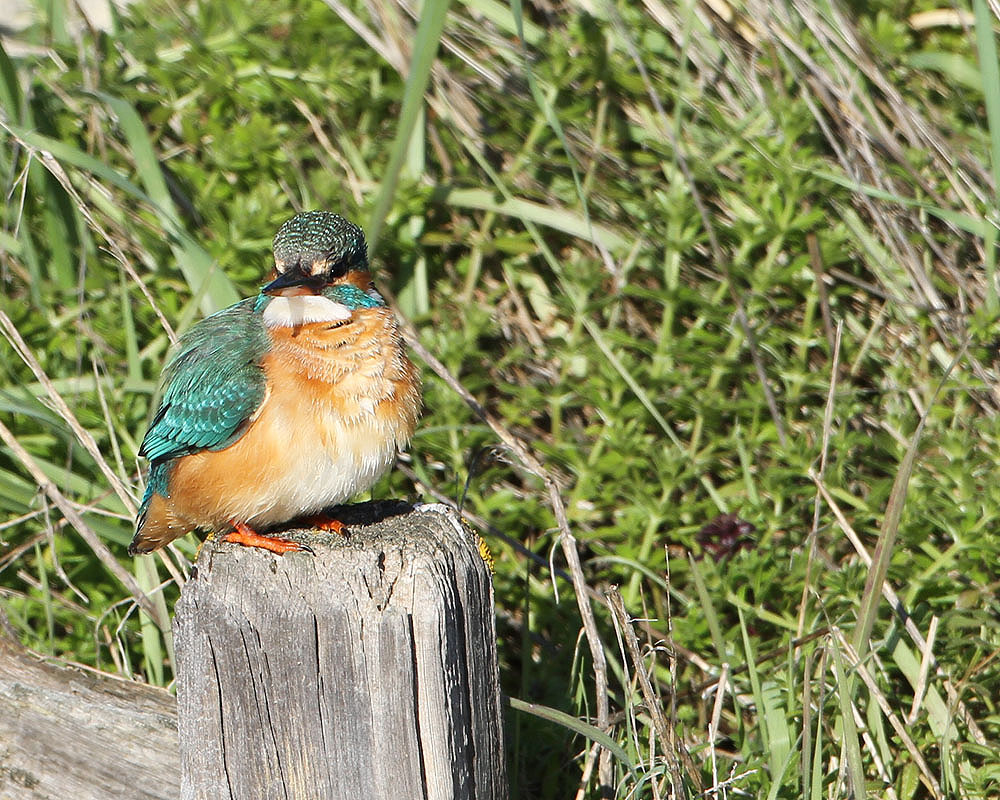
pixel 243 534
pixel 323 523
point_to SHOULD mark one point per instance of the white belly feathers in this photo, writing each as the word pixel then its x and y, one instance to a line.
pixel 323 477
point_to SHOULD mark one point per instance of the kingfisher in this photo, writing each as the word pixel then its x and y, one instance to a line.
pixel 283 404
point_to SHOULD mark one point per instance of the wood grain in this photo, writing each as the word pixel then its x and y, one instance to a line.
pixel 367 670
pixel 68 732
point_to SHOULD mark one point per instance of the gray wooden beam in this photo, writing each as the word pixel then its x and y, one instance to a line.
pixel 70 732
pixel 364 671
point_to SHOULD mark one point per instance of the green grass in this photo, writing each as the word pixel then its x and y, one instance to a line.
pixel 688 266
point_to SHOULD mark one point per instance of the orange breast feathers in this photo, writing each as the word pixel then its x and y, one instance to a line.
pixel 356 368
pixel 342 397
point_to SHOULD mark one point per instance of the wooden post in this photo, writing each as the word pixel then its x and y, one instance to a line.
pixel 367 671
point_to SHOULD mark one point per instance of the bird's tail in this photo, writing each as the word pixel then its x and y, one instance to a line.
pixel 145 540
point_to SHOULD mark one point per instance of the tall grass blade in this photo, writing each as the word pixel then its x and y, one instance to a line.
pixel 989 66
pixel 964 222
pixel 872 595
pixel 549 216
pixel 194 262
pixel 990 70
pixel 575 725
pixel 855 765
pixel 776 736
pixel 155 643
pixel 544 103
pixel 10 89
pixel 425 47
pixel 708 609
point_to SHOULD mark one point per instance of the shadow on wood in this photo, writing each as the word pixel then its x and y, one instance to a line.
pixel 78 733
pixel 363 672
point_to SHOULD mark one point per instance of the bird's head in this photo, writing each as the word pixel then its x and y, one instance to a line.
pixel 315 249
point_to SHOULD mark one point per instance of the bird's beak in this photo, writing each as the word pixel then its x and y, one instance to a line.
pixel 286 280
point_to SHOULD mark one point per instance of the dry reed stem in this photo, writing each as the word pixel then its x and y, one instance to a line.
pixel 678 760
pixel 84 436
pixel 926 660
pixel 898 725
pixel 86 532
pixel 566 538
pixel 55 168
pixel 900 610
pixel 823 452
pixel 713 725
pixel 316 126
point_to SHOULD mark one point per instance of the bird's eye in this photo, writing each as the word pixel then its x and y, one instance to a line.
pixel 342 263
pixel 336 267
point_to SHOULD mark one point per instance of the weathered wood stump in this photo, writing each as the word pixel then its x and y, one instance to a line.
pixel 72 732
pixel 365 671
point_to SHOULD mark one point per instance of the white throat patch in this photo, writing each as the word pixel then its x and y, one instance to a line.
pixel 290 312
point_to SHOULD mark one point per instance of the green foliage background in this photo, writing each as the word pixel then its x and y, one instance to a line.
pixel 621 226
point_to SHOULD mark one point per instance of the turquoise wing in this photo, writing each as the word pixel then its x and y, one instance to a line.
pixel 212 385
